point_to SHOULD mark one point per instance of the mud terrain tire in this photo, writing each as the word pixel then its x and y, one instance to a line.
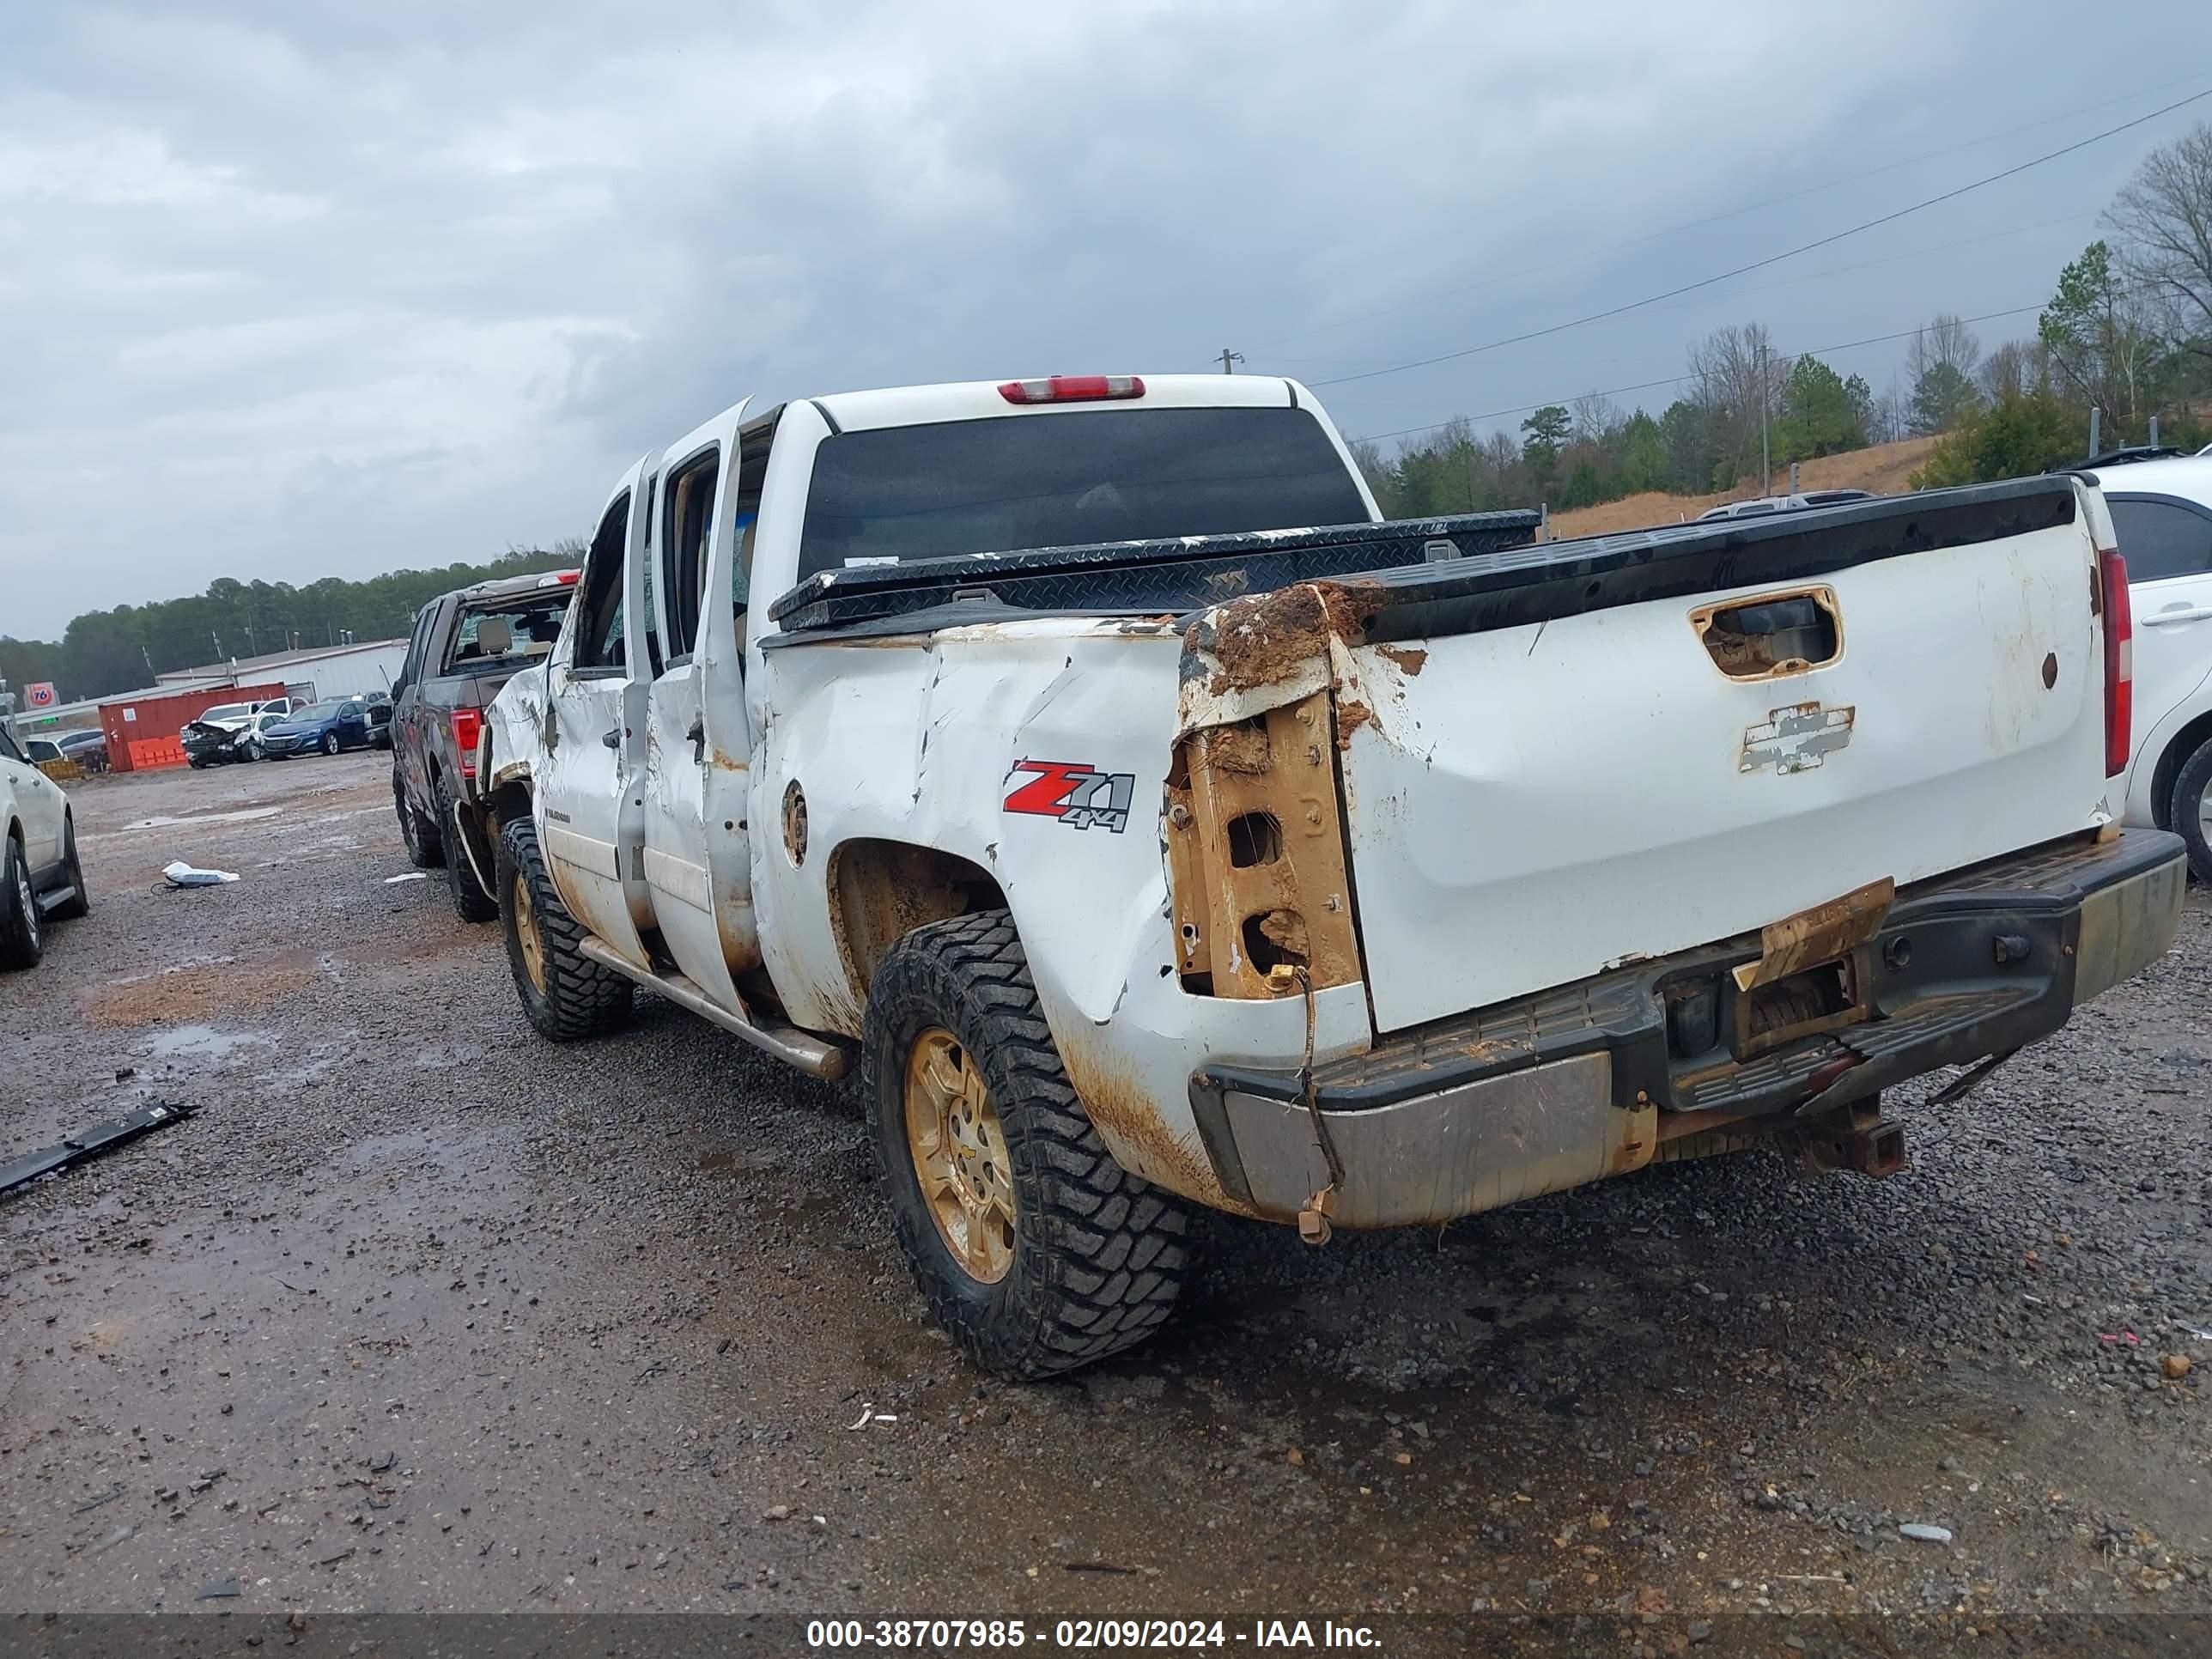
pixel 567 995
pixel 1098 1254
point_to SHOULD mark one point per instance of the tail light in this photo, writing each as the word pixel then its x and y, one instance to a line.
pixel 467 723
pixel 2119 660
pixel 1074 389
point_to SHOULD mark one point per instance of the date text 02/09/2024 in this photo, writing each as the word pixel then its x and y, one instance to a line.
pixel 941 1635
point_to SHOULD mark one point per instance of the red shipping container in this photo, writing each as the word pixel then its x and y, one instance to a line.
pixel 143 732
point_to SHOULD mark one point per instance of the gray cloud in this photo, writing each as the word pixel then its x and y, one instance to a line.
pixel 290 291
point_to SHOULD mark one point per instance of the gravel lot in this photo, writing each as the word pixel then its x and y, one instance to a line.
pixel 422 1314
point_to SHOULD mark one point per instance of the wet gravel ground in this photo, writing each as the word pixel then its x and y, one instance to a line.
pixel 421 1313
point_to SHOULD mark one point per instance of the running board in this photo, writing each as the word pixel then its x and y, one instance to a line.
pixel 812 1055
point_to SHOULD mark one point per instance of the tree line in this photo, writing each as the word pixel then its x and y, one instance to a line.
pixel 2127 333
pixel 102 652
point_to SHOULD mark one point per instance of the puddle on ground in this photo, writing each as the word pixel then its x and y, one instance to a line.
pixel 243 815
pixel 202 1042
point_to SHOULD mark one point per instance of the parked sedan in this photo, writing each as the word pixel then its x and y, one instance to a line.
pixel 340 723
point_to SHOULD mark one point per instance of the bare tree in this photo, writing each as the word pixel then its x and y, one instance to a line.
pixel 1946 341
pixel 2014 369
pixel 1891 412
pixel 2164 220
pixel 1595 414
pixel 1726 370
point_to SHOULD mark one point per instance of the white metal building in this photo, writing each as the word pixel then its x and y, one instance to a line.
pixel 335 671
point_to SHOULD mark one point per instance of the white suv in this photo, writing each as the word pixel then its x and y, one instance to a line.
pixel 2162 513
pixel 39 875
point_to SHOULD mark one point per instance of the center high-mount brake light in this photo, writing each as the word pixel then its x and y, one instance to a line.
pixel 2119 660
pixel 467 723
pixel 1074 389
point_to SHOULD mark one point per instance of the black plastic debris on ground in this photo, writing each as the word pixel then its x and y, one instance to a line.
pixel 91 1143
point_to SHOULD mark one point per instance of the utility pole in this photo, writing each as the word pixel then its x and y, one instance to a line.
pixel 1765 464
pixel 1228 358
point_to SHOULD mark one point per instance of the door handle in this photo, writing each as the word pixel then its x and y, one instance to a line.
pixel 613 739
pixel 698 736
pixel 2178 613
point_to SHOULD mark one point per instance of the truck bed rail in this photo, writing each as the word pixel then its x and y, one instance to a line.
pixel 1174 575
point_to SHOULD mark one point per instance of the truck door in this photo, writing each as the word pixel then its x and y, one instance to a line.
pixel 698 744
pixel 590 802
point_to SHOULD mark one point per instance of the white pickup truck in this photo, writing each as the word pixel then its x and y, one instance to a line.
pixel 1151 848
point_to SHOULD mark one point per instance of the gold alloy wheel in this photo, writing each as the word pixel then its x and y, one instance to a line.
pixel 526 933
pixel 960 1152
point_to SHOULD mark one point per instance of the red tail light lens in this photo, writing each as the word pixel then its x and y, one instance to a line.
pixel 467 724
pixel 1074 389
pixel 2119 662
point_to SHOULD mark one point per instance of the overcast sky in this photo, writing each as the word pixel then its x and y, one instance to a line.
pixel 289 290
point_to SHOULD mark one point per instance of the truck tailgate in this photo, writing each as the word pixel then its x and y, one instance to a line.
pixel 1530 802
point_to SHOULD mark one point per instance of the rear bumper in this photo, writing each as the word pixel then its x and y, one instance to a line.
pixel 1572 1085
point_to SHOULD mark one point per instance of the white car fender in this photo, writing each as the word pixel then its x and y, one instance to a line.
pixel 2142 807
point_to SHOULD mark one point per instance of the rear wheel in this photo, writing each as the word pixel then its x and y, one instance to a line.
pixel 1035 1250
pixel 22 934
pixel 79 901
pixel 566 994
pixel 426 847
pixel 2189 811
pixel 471 901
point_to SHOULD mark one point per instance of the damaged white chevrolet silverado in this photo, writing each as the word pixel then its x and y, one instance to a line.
pixel 1151 848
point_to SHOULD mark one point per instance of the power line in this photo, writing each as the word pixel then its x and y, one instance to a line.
pixel 1733 213
pixel 1673 379
pixel 1772 258
pixel 1893 259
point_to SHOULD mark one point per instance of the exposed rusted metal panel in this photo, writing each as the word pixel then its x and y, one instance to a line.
pixel 1821 933
pixel 1257 847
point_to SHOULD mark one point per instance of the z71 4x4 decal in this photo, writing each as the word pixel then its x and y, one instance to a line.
pixel 1078 795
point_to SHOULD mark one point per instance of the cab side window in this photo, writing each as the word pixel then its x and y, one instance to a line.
pixel 599 638
pixel 411 670
pixel 688 517
pixel 7 748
